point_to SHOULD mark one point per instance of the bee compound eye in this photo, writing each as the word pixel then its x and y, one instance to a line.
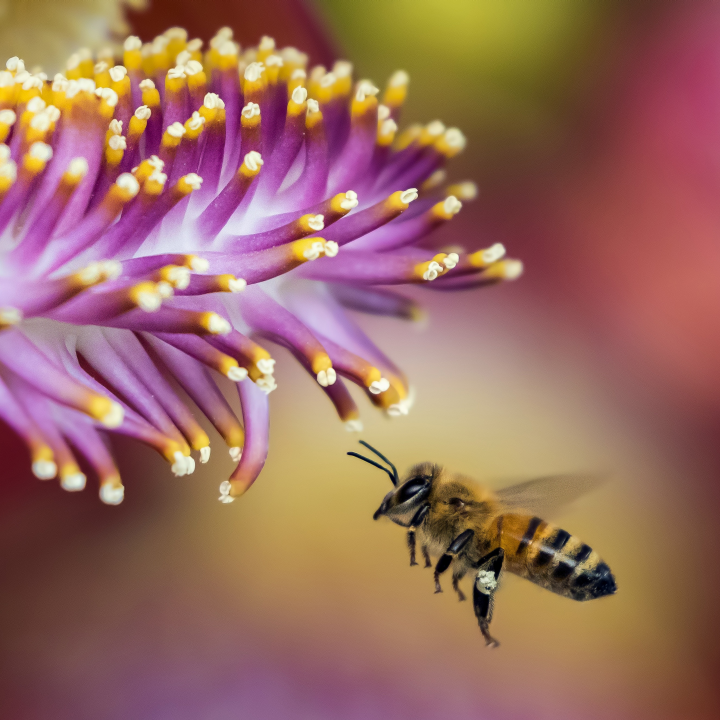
pixel 410 489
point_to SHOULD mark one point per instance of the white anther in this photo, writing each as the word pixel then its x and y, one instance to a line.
pixel 9 170
pixel 211 101
pixel 132 42
pixel 4 153
pixel 218 325
pixel 225 496
pixel 486 582
pixel 455 139
pixel 189 465
pixel 179 276
pixel 128 182
pixel 451 260
pixel 176 33
pixel 111 269
pixel 253 71
pixel 388 127
pixel 117 142
pixel 266 43
pixel 354 425
pixel 467 190
pixel 73 482
pixel 273 61
pixel 512 269
pixel 176 130
pixel 41 122
pixel 193 67
pixel 237 374
pixel 433 270
pixel 331 248
pixel 379 386
pixel 298 74
pixel 179 467
pixel 112 494
pixel 35 105
pixel 78 167
pixel 15 64
pixel 328 80
pixel 235 453
pixel 313 106
pixel 156 163
pixel 251 110
pixel 176 72
pixel 342 69
pixel 199 264
pixel 60 83
pixel 91 274
pixel 409 196
pixel 53 113
pixel 42 76
pixel 493 253
pixel 183 57
pixel 399 78
pixel 316 222
pixel 100 67
pixel 327 377
pixel 164 289
pixel 253 160
pixel 44 469
pixel 383 112
pixel 350 201
pixel 117 73
pixel 365 89
pixel 314 251
pixel 32 82
pixel 267 384
pixel 204 454
pixel 143 113
pixel 114 416
pixel 41 151
pixel 436 128
pixel 87 85
pixel 299 95
pixel 159 44
pixel 194 45
pixel 10 316
pixel 6 79
pixel 147 84
pixel 108 95
pixel 228 48
pixel 237 285
pixel 149 300
pixel 266 366
pixel 193 180
pixel 452 205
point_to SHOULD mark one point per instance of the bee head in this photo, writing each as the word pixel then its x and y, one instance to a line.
pixel 401 503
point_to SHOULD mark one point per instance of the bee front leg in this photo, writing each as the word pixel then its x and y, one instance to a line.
pixel 417 520
pixel 454 549
pixel 486 582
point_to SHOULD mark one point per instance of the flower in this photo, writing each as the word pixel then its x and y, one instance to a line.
pixel 161 216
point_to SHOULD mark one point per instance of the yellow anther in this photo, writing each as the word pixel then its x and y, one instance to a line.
pixel 321 361
pixel 429 271
pixel 408 136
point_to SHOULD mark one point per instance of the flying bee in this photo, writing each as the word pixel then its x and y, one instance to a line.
pixel 474 529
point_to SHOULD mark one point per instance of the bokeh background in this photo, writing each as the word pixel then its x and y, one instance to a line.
pixel 594 134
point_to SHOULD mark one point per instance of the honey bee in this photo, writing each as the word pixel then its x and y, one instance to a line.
pixel 474 529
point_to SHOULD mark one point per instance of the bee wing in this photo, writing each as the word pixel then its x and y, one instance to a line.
pixel 544 496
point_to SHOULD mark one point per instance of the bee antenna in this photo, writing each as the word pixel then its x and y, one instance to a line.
pixel 396 481
pixel 376 464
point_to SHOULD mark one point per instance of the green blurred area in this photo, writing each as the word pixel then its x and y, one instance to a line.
pixel 503 69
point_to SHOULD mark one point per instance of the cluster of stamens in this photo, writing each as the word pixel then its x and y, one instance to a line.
pixel 160 218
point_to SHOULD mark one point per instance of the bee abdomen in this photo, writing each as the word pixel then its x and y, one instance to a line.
pixel 553 558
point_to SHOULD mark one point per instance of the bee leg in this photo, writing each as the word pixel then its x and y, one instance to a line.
pixel 484 589
pixel 454 549
pixel 417 520
pixel 426 555
pixel 457 577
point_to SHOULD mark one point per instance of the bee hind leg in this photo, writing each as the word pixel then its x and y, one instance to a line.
pixel 454 549
pixel 426 555
pixel 457 577
pixel 486 582
pixel 417 520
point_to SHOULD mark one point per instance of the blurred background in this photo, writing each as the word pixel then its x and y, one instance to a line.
pixel 594 135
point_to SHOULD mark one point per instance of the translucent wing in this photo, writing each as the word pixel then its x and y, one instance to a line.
pixel 545 496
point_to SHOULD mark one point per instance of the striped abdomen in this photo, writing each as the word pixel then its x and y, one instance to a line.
pixel 552 558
